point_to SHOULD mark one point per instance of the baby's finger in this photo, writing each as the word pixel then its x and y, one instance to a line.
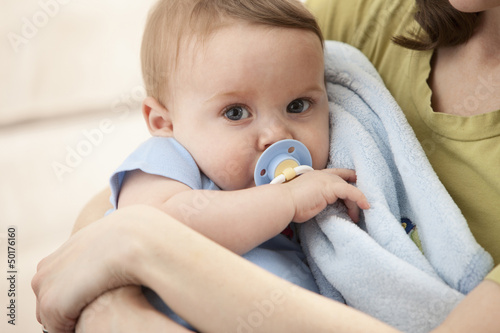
pixel 350 192
pixel 346 174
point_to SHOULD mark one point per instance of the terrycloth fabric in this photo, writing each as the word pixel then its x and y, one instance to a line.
pixel 375 266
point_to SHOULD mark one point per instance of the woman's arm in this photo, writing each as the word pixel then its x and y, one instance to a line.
pixel 93 210
pixel 478 312
pixel 199 279
pixel 214 289
pixel 124 310
pixel 244 297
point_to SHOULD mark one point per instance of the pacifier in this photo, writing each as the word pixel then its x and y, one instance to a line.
pixel 281 162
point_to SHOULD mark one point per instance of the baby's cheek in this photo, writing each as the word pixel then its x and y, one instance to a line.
pixel 320 157
pixel 320 165
pixel 229 176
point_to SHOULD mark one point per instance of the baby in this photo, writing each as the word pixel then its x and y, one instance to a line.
pixel 226 79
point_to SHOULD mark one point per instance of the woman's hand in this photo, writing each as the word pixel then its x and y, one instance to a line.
pixel 124 310
pixel 94 260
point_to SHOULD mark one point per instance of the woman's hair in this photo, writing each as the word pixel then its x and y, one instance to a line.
pixel 171 23
pixel 444 25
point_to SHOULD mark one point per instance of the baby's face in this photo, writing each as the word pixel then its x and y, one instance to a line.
pixel 247 87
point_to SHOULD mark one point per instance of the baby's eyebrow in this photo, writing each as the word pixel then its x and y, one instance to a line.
pixel 226 94
pixel 309 90
pixel 316 88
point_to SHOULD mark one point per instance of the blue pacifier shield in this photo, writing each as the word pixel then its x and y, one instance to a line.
pixel 278 152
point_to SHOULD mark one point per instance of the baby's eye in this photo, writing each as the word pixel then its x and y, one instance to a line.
pixel 236 113
pixel 298 106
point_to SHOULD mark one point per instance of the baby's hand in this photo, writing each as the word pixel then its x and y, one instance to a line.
pixel 313 191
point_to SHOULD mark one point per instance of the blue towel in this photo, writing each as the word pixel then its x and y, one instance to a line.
pixel 375 266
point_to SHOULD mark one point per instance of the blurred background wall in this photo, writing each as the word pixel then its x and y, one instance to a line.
pixel 70 96
pixel 62 57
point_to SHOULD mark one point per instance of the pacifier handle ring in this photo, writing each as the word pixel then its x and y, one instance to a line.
pixel 301 169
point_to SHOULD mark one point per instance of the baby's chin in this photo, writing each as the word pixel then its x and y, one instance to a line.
pixel 249 184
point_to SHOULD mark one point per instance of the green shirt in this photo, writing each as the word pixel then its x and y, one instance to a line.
pixel 464 151
pixel 494 274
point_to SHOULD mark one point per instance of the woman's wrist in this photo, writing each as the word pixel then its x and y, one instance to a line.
pixel 143 230
pixel 94 210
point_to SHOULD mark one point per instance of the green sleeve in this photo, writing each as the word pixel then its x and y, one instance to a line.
pixel 494 275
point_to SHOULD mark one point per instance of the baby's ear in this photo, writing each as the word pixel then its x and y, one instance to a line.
pixel 157 118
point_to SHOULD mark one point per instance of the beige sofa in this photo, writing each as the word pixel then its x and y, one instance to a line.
pixel 70 94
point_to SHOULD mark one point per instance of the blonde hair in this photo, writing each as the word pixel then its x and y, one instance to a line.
pixel 170 22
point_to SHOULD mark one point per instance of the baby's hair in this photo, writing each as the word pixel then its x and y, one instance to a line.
pixel 172 22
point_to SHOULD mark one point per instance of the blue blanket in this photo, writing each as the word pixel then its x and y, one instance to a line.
pixel 375 266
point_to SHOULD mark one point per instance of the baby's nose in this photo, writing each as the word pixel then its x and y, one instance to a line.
pixel 275 131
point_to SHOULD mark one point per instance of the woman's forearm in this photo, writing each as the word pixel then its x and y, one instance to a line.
pixel 478 312
pixel 218 291
pixel 93 210
pixel 125 310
